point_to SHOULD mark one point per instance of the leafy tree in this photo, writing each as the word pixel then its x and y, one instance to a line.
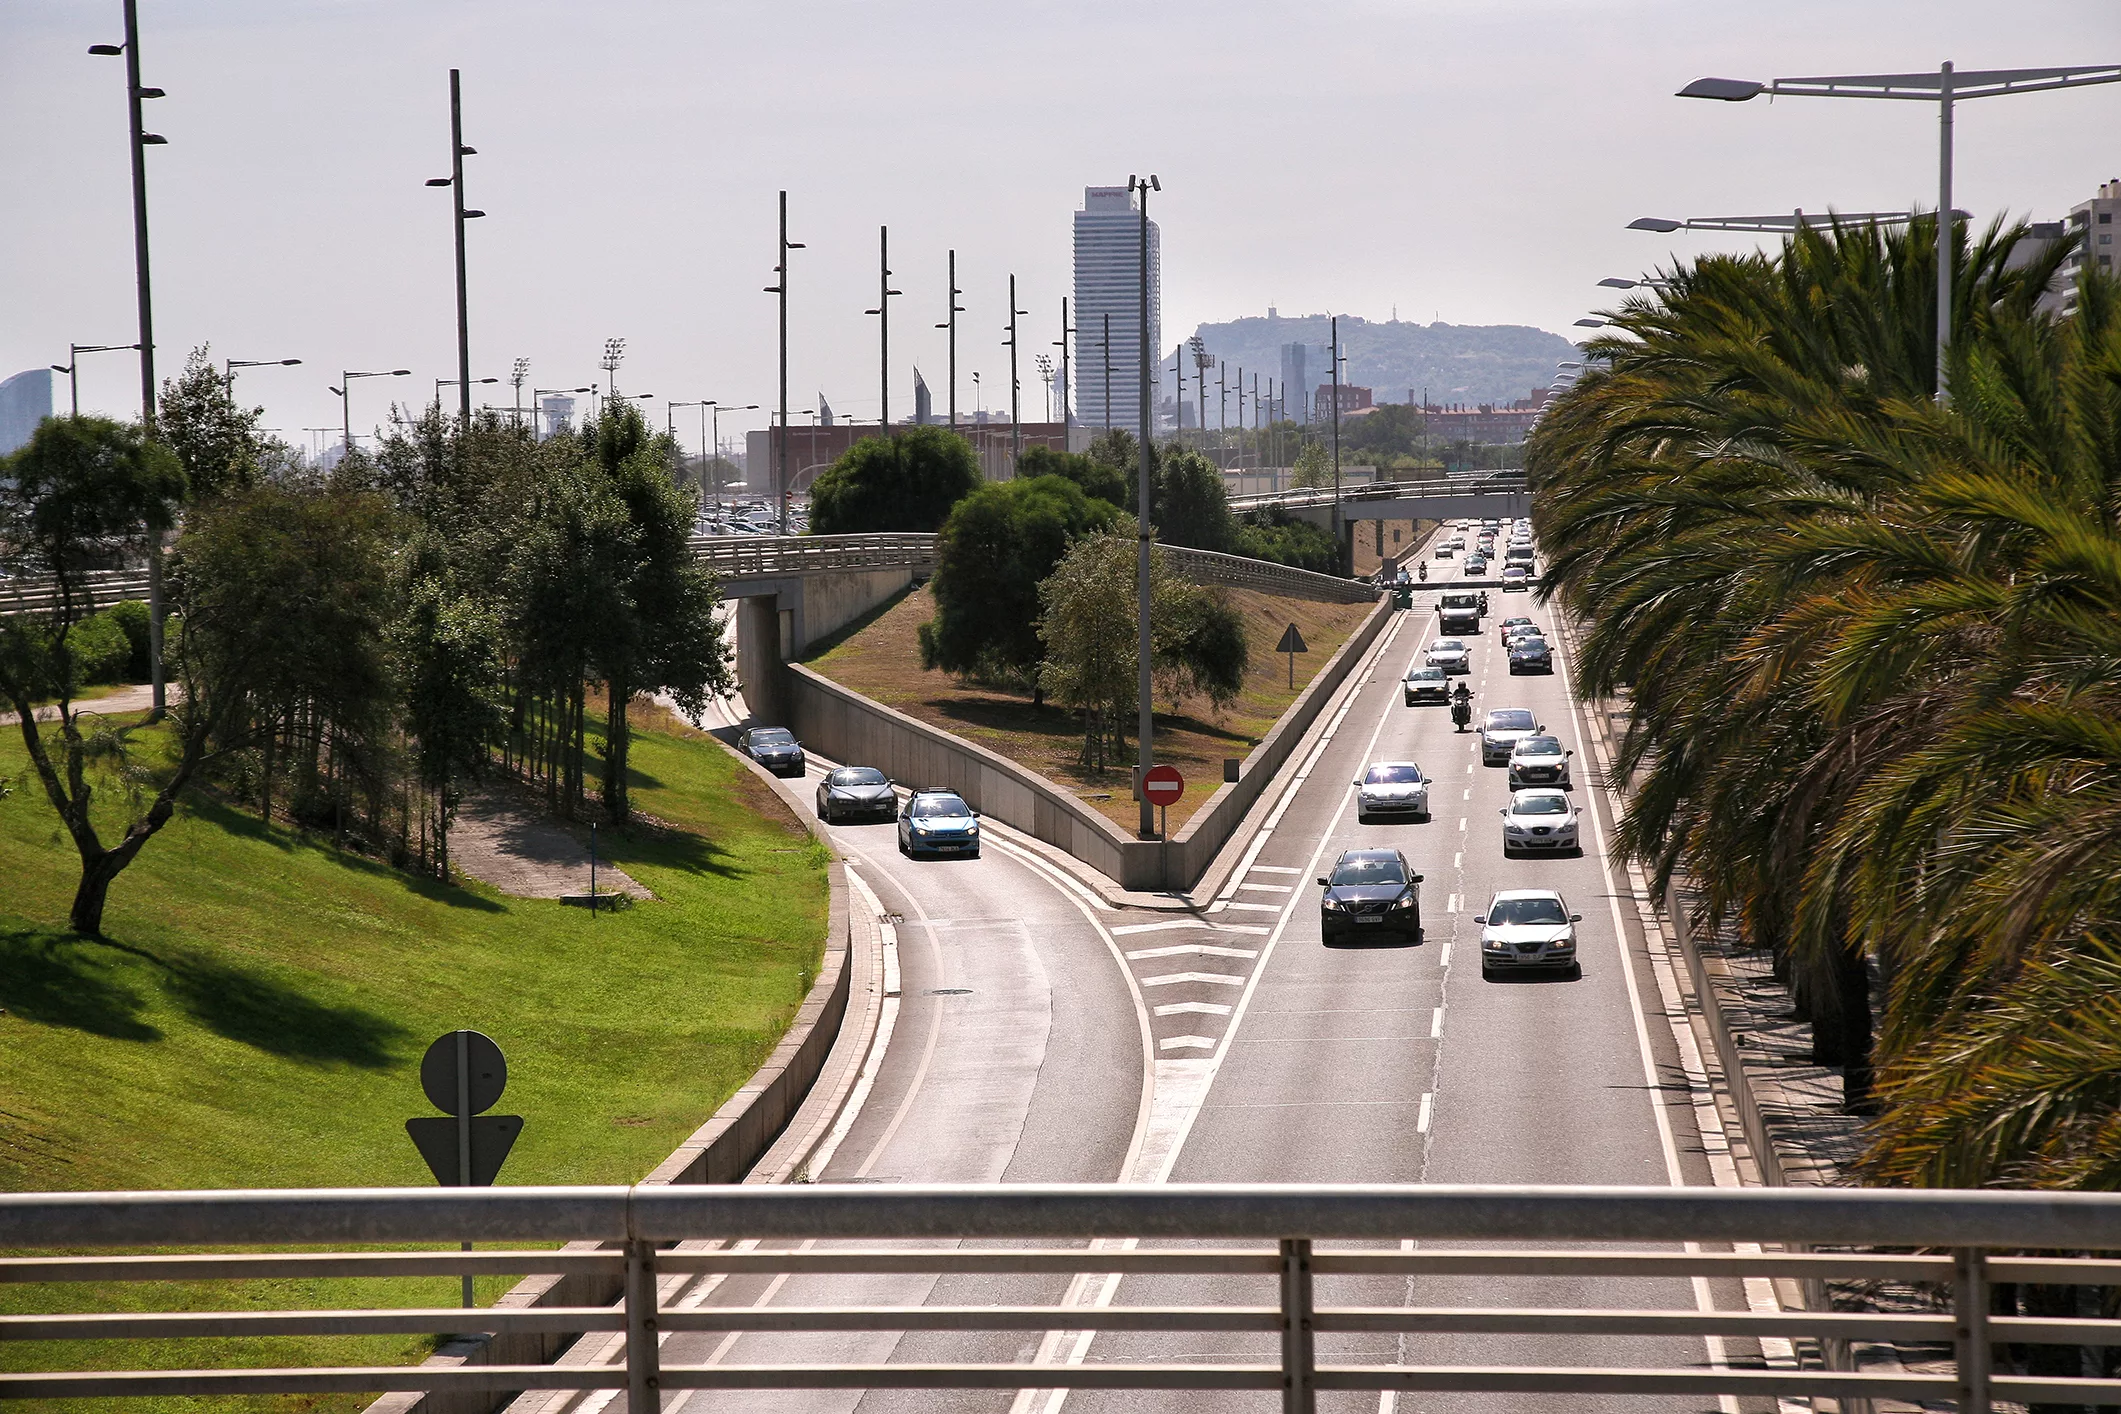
pixel 997 546
pixel 1314 467
pixel 906 481
pixel 449 648
pixel 1192 508
pixel 1274 534
pixel 1096 478
pixel 80 492
pixel 216 441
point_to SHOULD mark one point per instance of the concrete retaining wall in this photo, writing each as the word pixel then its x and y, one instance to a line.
pixel 846 726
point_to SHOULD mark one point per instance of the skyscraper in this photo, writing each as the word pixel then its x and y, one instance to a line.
pixel 923 404
pixel 1295 378
pixel 25 401
pixel 1108 282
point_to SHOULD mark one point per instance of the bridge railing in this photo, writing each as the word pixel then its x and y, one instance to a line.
pixel 1240 572
pixel 1282 1272
pixel 104 587
pixel 1500 484
pixel 735 556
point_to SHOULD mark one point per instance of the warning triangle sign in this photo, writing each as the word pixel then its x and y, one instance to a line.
pixel 1291 642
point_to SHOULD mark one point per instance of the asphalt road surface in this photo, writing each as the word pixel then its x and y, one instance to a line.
pixel 1029 1016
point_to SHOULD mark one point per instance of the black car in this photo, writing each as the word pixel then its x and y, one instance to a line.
pixel 775 748
pixel 856 793
pixel 1369 892
pixel 1531 655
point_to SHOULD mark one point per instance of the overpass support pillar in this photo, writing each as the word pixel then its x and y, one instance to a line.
pixel 762 631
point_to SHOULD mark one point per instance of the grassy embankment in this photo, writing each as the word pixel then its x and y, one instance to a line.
pixel 257 1016
pixel 881 659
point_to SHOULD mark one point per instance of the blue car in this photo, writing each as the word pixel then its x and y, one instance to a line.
pixel 937 822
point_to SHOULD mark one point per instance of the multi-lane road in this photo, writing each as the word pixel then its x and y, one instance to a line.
pixel 1043 1036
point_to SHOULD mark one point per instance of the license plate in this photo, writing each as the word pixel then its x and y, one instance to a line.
pixel 1370 918
pixel 949 846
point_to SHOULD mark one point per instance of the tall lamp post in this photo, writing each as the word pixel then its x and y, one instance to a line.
pixel 951 324
pixel 135 94
pixel 518 375
pixel 455 180
pixel 884 292
pixel 1067 387
pixel 441 383
pixel 537 393
pixel 1145 729
pixel 780 287
pixel 346 398
pixel 73 362
pixel 1781 222
pixel 1333 332
pixel 715 411
pixel 1943 88
pixel 1016 421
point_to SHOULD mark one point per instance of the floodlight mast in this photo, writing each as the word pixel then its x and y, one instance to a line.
pixel 1944 88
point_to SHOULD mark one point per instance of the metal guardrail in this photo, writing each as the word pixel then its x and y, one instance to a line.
pixel 1241 572
pixel 105 588
pixel 1498 485
pixel 766 556
pixel 1271 1240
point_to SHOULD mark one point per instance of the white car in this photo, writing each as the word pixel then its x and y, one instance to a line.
pixel 1391 788
pixel 1502 730
pixel 1540 822
pixel 1522 629
pixel 1527 928
pixel 1426 684
pixel 1450 655
pixel 1540 761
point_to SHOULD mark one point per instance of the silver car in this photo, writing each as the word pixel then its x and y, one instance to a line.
pixel 1502 730
pixel 1539 822
pixel 1527 928
pixel 1450 655
pixel 1426 684
pixel 1391 789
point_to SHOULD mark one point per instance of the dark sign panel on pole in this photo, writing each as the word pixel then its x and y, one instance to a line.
pixel 463 1074
pixel 1292 643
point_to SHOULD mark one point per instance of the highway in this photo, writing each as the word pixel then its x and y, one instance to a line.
pixel 1031 1015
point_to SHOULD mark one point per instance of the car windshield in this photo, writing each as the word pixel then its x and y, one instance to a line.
pixel 772 736
pixel 1425 675
pixel 1369 869
pixel 1539 805
pixel 1447 645
pixel 1539 746
pixel 1507 911
pixel 1511 719
pixel 858 776
pixel 1393 776
pixel 938 807
pixel 1528 643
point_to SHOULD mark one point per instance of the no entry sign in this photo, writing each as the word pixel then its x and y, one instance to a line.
pixel 1163 785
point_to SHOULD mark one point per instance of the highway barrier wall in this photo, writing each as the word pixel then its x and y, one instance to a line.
pixel 843 725
pixel 722 1150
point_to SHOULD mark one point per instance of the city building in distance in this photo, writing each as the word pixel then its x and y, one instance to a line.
pixel 1353 399
pixel 1490 423
pixel 2094 221
pixel 1108 283
pixel 25 401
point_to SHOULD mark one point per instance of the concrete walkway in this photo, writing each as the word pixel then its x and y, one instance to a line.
pixel 136 698
pixel 506 839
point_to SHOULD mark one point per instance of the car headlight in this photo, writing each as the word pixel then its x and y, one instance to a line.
pixel 920 827
pixel 1495 944
pixel 1513 829
pixel 1403 901
pixel 1331 905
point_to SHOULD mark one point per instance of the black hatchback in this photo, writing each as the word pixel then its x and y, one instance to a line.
pixel 1370 892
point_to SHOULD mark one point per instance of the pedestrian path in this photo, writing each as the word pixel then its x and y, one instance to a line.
pixel 503 837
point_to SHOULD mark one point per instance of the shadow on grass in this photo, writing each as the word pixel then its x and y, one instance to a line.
pixel 673 849
pixel 60 979
pixel 243 825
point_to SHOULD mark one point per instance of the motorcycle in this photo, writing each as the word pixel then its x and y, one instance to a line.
pixel 1461 710
pixel 1423 571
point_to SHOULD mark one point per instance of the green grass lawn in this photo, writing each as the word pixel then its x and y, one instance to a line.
pixel 257 1015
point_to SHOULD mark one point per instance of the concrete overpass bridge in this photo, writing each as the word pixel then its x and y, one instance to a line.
pixel 1505 495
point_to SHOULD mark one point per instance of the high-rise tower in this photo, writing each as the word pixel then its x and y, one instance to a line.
pixel 1108 282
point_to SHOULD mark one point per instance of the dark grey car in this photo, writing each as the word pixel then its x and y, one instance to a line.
pixel 1370 892
pixel 775 748
pixel 856 793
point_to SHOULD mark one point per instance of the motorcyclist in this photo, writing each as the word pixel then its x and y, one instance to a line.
pixel 1461 707
pixel 1483 603
pixel 1422 570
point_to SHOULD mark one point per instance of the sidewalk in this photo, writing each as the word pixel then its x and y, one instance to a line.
pixel 507 841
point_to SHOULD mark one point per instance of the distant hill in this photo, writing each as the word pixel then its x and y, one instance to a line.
pixel 1457 363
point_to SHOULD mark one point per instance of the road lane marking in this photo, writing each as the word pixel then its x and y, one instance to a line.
pixel 1266 888
pixel 1468 795
pixel 1185 1043
pixel 1192 1008
pixel 1436 1023
pixel 1162 925
pixel 1421 1121
pixel 1272 869
pixel 1461 824
pixel 1216 979
pixel 1197 949
pixel 1451 904
pixel 1443 959
pixel 1256 907
pixel 1458 860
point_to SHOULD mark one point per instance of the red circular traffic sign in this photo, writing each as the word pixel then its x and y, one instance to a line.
pixel 1163 785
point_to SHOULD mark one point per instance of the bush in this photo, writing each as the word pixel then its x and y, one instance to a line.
pixel 132 616
pixel 908 481
pixel 1192 508
pixel 1278 536
pixel 997 545
pixel 1097 479
pixel 99 649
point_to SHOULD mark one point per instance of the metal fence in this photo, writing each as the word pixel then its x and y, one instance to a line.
pixel 1280 1242
pixel 1501 486
pixel 1242 572
pixel 767 556
pixel 104 588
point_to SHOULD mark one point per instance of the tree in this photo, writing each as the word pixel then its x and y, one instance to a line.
pixel 1192 508
pixel 78 494
pixel 996 548
pixel 1096 478
pixel 449 647
pixel 1314 467
pixel 907 480
pixel 1271 533
pixel 216 442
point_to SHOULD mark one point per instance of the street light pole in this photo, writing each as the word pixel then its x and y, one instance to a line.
pixel 345 392
pixel 1145 728
pixel 1067 388
pixel 455 180
pixel 780 288
pixel 1944 88
pixel 715 413
pixel 518 375
pixel 951 324
pixel 73 363
pixel 1016 422
pixel 1333 330
pixel 883 316
pixel 230 365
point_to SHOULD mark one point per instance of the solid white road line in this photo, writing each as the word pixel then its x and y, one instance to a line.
pixel 1213 979
pixel 1421 1121
pixel 1185 1043
pixel 1266 888
pixel 1273 869
pixel 1194 949
pixel 1192 1009
pixel 1436 1023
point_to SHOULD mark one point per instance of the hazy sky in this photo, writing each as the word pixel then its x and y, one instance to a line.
pixel 1469 160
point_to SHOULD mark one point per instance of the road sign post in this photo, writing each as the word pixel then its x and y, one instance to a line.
pixel 1161 787
pixel 1292 643
pixel 463 1074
